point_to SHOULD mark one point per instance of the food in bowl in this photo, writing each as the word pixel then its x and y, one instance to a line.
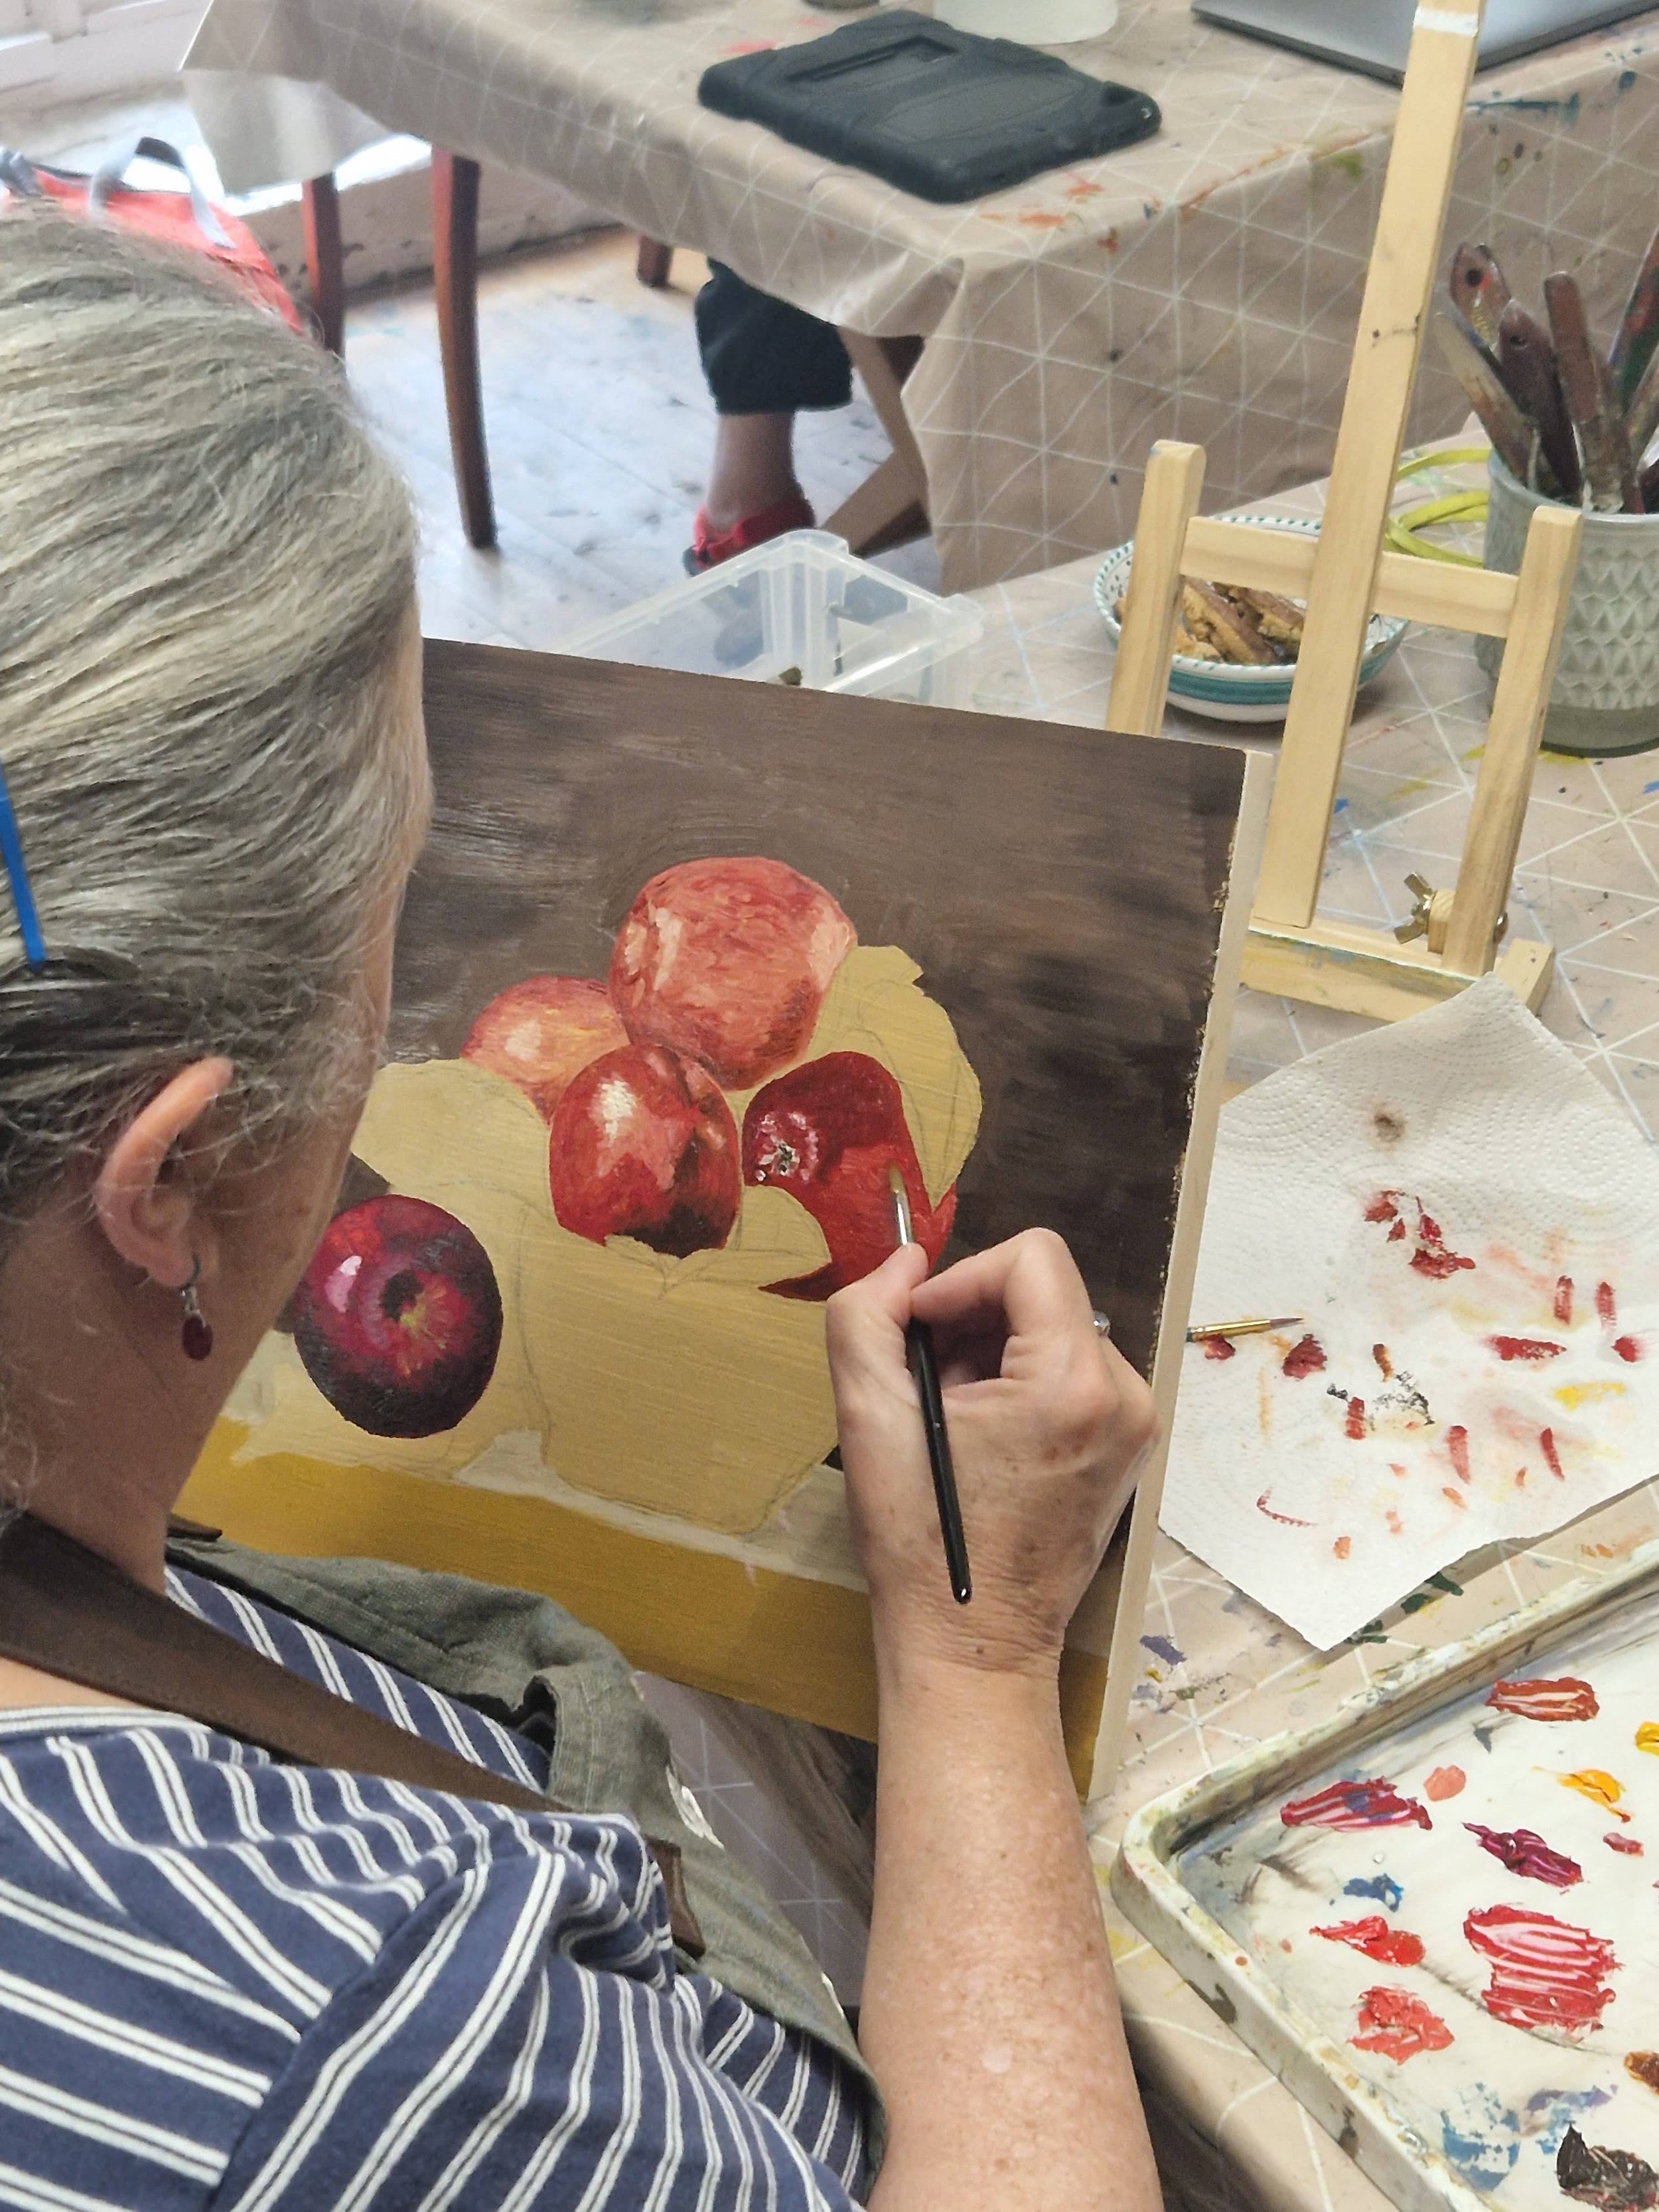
pixel 1231 622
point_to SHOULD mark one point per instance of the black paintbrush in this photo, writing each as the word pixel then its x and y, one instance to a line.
pixel 924 1371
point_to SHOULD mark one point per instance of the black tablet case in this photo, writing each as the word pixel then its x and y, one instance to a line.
pixel 937 112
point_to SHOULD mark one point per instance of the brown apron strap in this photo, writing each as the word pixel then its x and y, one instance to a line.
pixel 70 1613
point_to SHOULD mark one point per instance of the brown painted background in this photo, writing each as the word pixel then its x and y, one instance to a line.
pixel 1061 889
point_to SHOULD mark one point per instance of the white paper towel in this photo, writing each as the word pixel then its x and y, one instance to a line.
pixel 1470 1229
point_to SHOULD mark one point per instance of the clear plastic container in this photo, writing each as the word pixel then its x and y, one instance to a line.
pixel 801 609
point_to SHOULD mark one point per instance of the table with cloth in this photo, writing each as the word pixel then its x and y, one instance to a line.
pixel 1219 1673
pixel 1202 285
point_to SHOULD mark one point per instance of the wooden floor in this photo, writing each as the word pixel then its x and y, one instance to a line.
pixel 600 428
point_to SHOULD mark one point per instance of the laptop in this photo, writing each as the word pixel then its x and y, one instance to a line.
pixel 1372 36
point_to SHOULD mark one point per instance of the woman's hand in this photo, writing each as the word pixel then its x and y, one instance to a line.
pixel 1045 1421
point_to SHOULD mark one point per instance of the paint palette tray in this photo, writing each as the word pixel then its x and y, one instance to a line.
pixel 1434 1916
pixel 801 610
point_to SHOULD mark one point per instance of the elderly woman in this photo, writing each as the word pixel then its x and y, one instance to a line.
pixel 230 1980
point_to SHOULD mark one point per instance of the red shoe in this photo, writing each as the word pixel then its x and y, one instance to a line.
pixel 708 547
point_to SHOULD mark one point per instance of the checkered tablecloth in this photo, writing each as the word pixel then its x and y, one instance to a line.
pixel 1204 285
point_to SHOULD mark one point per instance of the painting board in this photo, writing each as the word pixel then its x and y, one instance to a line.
pixel 1051 909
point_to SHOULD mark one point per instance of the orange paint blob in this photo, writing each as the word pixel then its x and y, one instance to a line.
pixel 1342 1546
pixel 1445 1782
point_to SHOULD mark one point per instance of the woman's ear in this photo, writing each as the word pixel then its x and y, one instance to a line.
pixel 147 1206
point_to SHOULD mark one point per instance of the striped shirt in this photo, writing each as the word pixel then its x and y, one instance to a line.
pixel 228 1983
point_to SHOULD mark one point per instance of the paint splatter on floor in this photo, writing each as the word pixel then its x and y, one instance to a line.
pixel 1565 1699
pixel 1399 2025
pixel 1358 1804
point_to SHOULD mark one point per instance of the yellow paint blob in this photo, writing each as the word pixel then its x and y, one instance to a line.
pixel 1599 1787
pixel 1647 1737
pixel 1572 1396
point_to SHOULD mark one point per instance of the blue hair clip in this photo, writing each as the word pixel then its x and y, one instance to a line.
pixel 23 898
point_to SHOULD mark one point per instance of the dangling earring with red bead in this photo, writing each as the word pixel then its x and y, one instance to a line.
pixel 196 1336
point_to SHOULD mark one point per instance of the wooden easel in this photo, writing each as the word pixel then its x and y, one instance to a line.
pixel 1343 575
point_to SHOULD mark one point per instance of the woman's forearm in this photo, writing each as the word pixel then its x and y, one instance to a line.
pixel 990 2012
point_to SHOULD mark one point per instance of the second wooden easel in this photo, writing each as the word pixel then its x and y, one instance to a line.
pixel 1344 576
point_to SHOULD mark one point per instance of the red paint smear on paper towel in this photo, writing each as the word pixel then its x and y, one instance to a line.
pixel 1219 1348
pixel 1395 1947
pixel 1533 1348
pixel 1628 1844
pixel 1373 1803
pixel 1433 1257
pixel 1304 1358
pixel 1607 1311
pixel 1544 1972
pixel 1629 1349
pixel 1457 1447
pixel 1527 1854
pixel 1565 1699
pixel 1551 1457
pixel 1284 1520
pixel 1398 2024
pixel 1564 1301
pixel 1356 1424
pixel 1380 1354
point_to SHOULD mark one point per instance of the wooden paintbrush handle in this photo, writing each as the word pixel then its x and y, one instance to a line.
pixel 1586 387
pixel 1526 361
pixel 1478 290
pixel 1472 365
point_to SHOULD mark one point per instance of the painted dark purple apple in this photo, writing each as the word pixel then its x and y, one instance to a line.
pixel 398 1317
pixel 643 1145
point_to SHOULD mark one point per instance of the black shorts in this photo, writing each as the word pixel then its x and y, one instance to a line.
pixel 761 356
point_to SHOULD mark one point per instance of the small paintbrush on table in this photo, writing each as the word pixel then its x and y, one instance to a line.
pixel 923 1370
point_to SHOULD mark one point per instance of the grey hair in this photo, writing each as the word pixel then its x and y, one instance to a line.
pixel 206 570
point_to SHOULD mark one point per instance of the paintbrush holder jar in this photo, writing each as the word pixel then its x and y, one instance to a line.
pixel 1606 695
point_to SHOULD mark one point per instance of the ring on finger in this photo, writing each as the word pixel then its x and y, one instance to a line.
pixel 1103 1325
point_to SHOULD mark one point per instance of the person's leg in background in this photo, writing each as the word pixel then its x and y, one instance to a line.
pixel 764 361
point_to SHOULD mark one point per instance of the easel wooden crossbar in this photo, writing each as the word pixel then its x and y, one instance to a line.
pixel 1343 575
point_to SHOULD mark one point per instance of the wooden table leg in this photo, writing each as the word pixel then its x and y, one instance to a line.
pixel 455 275
pixel 320 209
pixel 890 507
pixel 655 260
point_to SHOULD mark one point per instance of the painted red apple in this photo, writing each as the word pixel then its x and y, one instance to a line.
pixel 827 1132
pixel 727 962
pixel 398 1317
pixel 643 1145
pixel 541 1033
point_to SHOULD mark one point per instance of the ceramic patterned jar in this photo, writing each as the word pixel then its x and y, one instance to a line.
pixel 1606 698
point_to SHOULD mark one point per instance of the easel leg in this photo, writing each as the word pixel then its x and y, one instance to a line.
pixel 1140 674
pixel 1504 783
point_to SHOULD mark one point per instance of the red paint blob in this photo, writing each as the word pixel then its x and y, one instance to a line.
pixel 1457 1447
pixel 1607 1311
pixel 1564 1301
pixel 1374 1937
pixel 1219 1348
pixel 1445 1782
pixel 1545 1973
pixel 1356 1426
pixel 1397 1234
pixel 1382 1207
pixel 1566 1699
pixel 1535 1348
pixel 1398 2024
pixel 1628 1348
pixel 1373 1803
pixel 1528 1854
pixel 1304 1358
pixel 1627 1845
pixel 1433 1257
pixel 1551 1457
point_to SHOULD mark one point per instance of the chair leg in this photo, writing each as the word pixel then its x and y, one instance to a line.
pixel 320 209
pixel 654 263
pixel 455 274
